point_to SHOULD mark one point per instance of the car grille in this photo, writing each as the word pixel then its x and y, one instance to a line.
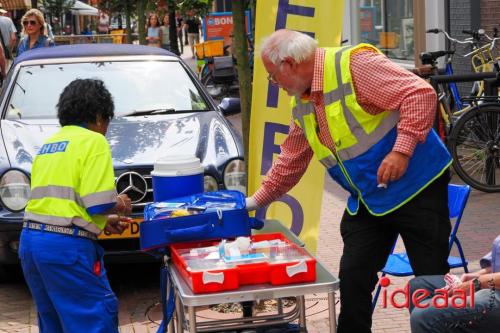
pixel 137 184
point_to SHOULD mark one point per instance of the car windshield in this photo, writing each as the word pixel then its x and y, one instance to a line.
pixel 136 86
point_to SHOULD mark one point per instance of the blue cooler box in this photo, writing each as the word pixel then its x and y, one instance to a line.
pixel 220 214
pixel 176 176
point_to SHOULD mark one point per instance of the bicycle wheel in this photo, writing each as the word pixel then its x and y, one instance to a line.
pixel 474 143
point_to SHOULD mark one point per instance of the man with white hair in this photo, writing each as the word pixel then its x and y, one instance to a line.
pixel 368 121
pixel 8 33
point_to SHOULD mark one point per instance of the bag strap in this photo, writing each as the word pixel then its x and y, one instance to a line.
pixel 167 297
pixel 6 52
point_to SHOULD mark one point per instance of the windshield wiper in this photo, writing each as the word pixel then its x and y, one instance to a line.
pixel 149 112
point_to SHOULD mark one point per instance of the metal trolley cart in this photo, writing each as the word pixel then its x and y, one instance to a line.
pixel 187 302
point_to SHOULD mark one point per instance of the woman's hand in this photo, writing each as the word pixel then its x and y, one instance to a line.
pixel 117 224
pixel 469 276
pixel 464 286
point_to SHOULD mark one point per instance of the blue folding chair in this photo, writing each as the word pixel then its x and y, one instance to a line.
pixel 398 264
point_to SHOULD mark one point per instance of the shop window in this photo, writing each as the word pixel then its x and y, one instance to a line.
pixel 388 24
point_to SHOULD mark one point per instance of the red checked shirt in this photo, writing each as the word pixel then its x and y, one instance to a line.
pixel 380 85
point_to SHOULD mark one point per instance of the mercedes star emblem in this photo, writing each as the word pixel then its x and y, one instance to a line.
pixel 132 184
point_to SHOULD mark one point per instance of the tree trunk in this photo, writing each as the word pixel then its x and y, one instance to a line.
pixel 253 10
pixel 127 22
pixel 174 47
pixel 244 75
pixel 141 20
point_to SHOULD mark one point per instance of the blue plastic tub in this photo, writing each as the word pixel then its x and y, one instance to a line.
pixel 176 176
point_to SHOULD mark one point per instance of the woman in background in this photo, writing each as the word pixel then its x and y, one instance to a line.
pixel 154 36
pixel 165 33
pixel 34 32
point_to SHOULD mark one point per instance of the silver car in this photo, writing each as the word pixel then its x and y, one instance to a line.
pixel 160 109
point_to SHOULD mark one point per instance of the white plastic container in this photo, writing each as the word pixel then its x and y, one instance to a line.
pixel 176 176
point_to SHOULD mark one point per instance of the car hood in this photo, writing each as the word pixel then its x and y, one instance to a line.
pixel 136 141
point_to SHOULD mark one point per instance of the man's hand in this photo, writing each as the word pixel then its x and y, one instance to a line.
pixel 117 224
pixel 123 204
pixel 251 204
pixel 392 167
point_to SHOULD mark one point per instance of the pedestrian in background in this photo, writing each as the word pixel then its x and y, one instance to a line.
pixel 72 193
pixel 34 32
pixel 103 25
pixel 154 35
pixel 368 121
pixel 179 26
pixel 193 29
pixel 3 66
pixel 165 33
pixel 7 34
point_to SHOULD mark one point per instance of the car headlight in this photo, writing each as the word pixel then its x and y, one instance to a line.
pixel 235 176
pixel 210 183
pixel 14 190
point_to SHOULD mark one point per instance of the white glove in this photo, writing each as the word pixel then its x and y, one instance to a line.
pixel 251 204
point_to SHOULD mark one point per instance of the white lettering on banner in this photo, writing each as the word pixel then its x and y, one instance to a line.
pixel 223 20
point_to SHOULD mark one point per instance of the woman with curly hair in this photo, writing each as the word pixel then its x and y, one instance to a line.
pixel 72 193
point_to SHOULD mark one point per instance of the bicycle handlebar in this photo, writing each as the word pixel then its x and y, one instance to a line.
pixel 476 34
pixel 451 39
pixel 433 31
pixel 428 58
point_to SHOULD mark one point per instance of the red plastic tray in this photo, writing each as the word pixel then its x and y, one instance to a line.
pixel 245 274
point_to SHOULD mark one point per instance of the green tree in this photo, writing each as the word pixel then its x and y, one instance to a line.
pixel 114 7
pixel 243 67
pixel 57 8
pixel 201 7
pixel 141 20
pixel 172 7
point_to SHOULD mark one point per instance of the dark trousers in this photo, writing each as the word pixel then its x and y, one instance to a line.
pixel 424 226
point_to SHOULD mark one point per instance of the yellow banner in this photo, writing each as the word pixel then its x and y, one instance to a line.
pixel 271 115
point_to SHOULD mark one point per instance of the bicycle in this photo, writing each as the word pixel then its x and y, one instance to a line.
pixel 474 140
pixel 479 62
pixel 470 130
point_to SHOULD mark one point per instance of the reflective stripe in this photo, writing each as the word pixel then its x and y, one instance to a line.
pixel 54 191
pixel 329 162
pixel 337 94
pixel 300 110
pixel 365 140
pixel 99 198
pixel 66 192
pixel 63 221
pixel 72 231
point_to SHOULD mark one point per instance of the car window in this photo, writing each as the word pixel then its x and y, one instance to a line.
pixel 135 86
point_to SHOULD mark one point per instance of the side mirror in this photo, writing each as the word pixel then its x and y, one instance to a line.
pixel 230 105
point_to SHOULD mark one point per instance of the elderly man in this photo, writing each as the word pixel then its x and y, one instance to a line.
pixel 369 122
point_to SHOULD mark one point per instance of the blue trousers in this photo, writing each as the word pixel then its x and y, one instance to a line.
pixel 70 291
pixel 484 317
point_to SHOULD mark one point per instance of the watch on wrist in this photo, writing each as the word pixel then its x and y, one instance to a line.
pixel 477 284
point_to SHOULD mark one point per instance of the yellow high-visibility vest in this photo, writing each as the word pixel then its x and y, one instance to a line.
pixel 362 141
pixel 72 180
